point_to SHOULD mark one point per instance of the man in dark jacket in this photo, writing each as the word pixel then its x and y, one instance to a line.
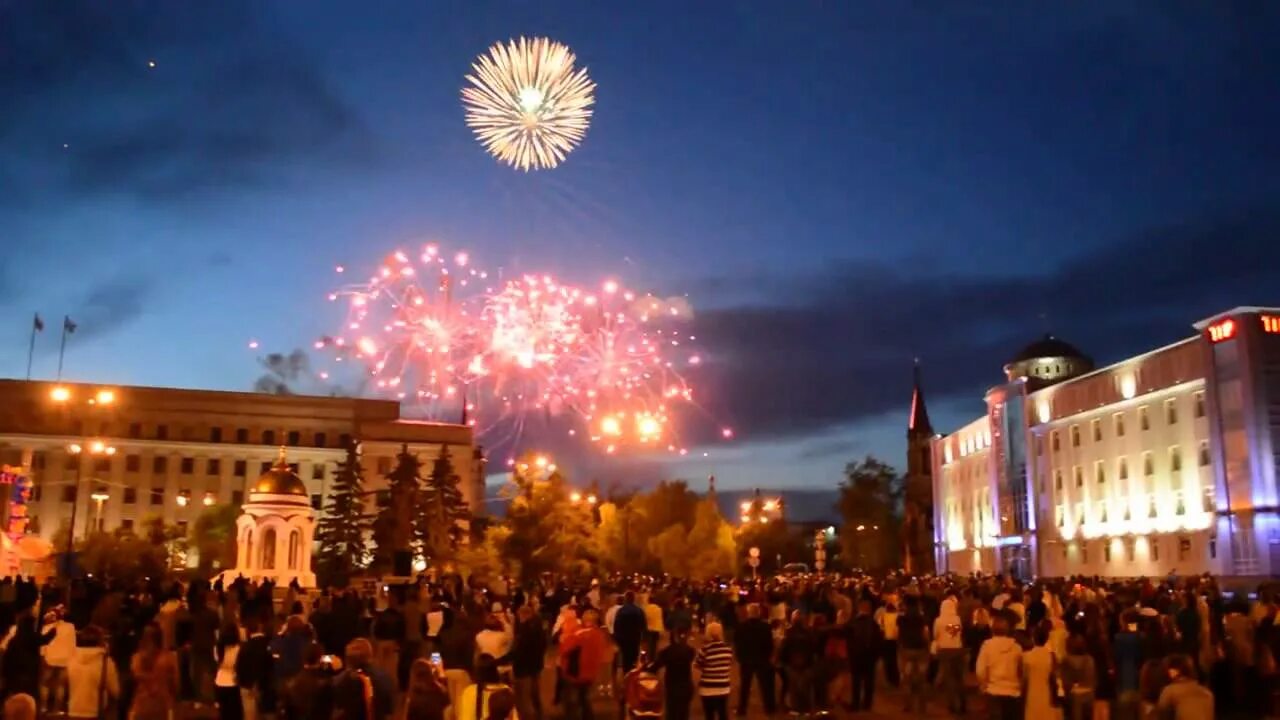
pixel 528 654
pixel 864 648
pixel 753 647
pixel 309 695
pixel 362 691
pixel 255 671
pixel 629 627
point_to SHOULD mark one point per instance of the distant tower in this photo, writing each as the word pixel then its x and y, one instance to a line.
pixel 917 523
pixel 711 486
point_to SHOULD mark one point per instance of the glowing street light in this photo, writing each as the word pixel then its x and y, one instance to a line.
pixel 183 499
pixel 592 499
pixel 575 497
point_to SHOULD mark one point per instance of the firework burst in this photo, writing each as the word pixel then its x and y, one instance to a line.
pixel 602 364
pixel 413 324
pixel 527 103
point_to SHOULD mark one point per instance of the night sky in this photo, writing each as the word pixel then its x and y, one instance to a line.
pixel 839 187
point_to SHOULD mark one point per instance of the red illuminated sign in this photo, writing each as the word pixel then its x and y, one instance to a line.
pixel 1271 324
pixel 1222 330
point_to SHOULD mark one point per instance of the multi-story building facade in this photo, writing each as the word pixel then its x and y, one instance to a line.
pixel 176 451
pixel 1163 462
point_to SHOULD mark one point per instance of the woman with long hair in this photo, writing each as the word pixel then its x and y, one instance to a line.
pixel 226 689
pixel 474 702
pixel 427 694
pixel 155 676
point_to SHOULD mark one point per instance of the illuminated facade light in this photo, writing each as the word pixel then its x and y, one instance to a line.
pixel 60 394
pixel 1271 324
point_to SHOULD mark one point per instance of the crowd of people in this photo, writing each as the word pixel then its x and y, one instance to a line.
pixel 445 649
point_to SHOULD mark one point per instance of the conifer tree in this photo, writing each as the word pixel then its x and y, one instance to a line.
pixel 341 532
pixel 445 512
pixel 398 525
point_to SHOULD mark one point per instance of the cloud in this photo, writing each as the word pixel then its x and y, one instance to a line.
pixel 109 305
pixel 229 103
pixel 837 348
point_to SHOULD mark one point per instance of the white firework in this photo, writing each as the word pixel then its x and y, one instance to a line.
pixel 526 102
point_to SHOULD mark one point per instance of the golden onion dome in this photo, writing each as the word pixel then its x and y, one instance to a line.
pixel 280 480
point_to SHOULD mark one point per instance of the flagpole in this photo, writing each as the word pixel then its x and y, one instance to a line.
pixel 31 349
pixel 62 349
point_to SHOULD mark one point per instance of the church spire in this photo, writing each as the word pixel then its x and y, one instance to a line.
pixel 918 422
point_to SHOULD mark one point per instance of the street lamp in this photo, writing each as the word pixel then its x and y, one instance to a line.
pixel 575 497
pixel 91 447
pixel 99 496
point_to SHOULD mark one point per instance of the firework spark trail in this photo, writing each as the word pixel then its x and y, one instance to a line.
pixel 527 104
pixel 606 363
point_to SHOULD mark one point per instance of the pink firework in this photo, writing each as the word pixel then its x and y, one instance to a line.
pixel 414 325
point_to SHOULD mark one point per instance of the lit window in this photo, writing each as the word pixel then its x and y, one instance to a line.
pixel 1199 400
pixel 1204 453
pixel 1097 430
pixel 1119 422
pixel 1054 440
pixel 1175 459
pixel 1171 411
pixel 1124 469
pixel 1181 507
pixel 1148 464
pixel 1078 473
pixel 1075 436
pixel 1144 420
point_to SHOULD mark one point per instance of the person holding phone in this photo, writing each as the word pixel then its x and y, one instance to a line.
pixel 427 695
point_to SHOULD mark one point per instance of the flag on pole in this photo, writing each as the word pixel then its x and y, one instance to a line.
pixel 67 325
pixel 37 324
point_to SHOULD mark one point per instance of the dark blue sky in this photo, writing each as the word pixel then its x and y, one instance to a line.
pixel 838 186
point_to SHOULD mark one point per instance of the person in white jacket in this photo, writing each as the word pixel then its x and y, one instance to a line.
pixel 948 645
pixel 56 655
pixel 1000 671
pixel 92 676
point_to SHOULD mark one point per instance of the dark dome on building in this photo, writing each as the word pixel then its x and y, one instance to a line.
pixel 1048 360
pixel 280 480
pixel 1049 347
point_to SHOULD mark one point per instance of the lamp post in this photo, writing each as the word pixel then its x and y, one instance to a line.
pixel 101 398
pixel 89 447
pixel 99 496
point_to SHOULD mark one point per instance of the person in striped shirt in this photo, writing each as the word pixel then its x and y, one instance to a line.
pixel 715 664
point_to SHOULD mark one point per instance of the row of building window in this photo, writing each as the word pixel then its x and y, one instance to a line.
pixel 1122 467
pixel 160 465
pixel 1180 508
pixel 156 497
pixel 242 436
pixel 1118 423
pixel 1153 545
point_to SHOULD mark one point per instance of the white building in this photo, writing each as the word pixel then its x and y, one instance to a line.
pixel 1162 462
